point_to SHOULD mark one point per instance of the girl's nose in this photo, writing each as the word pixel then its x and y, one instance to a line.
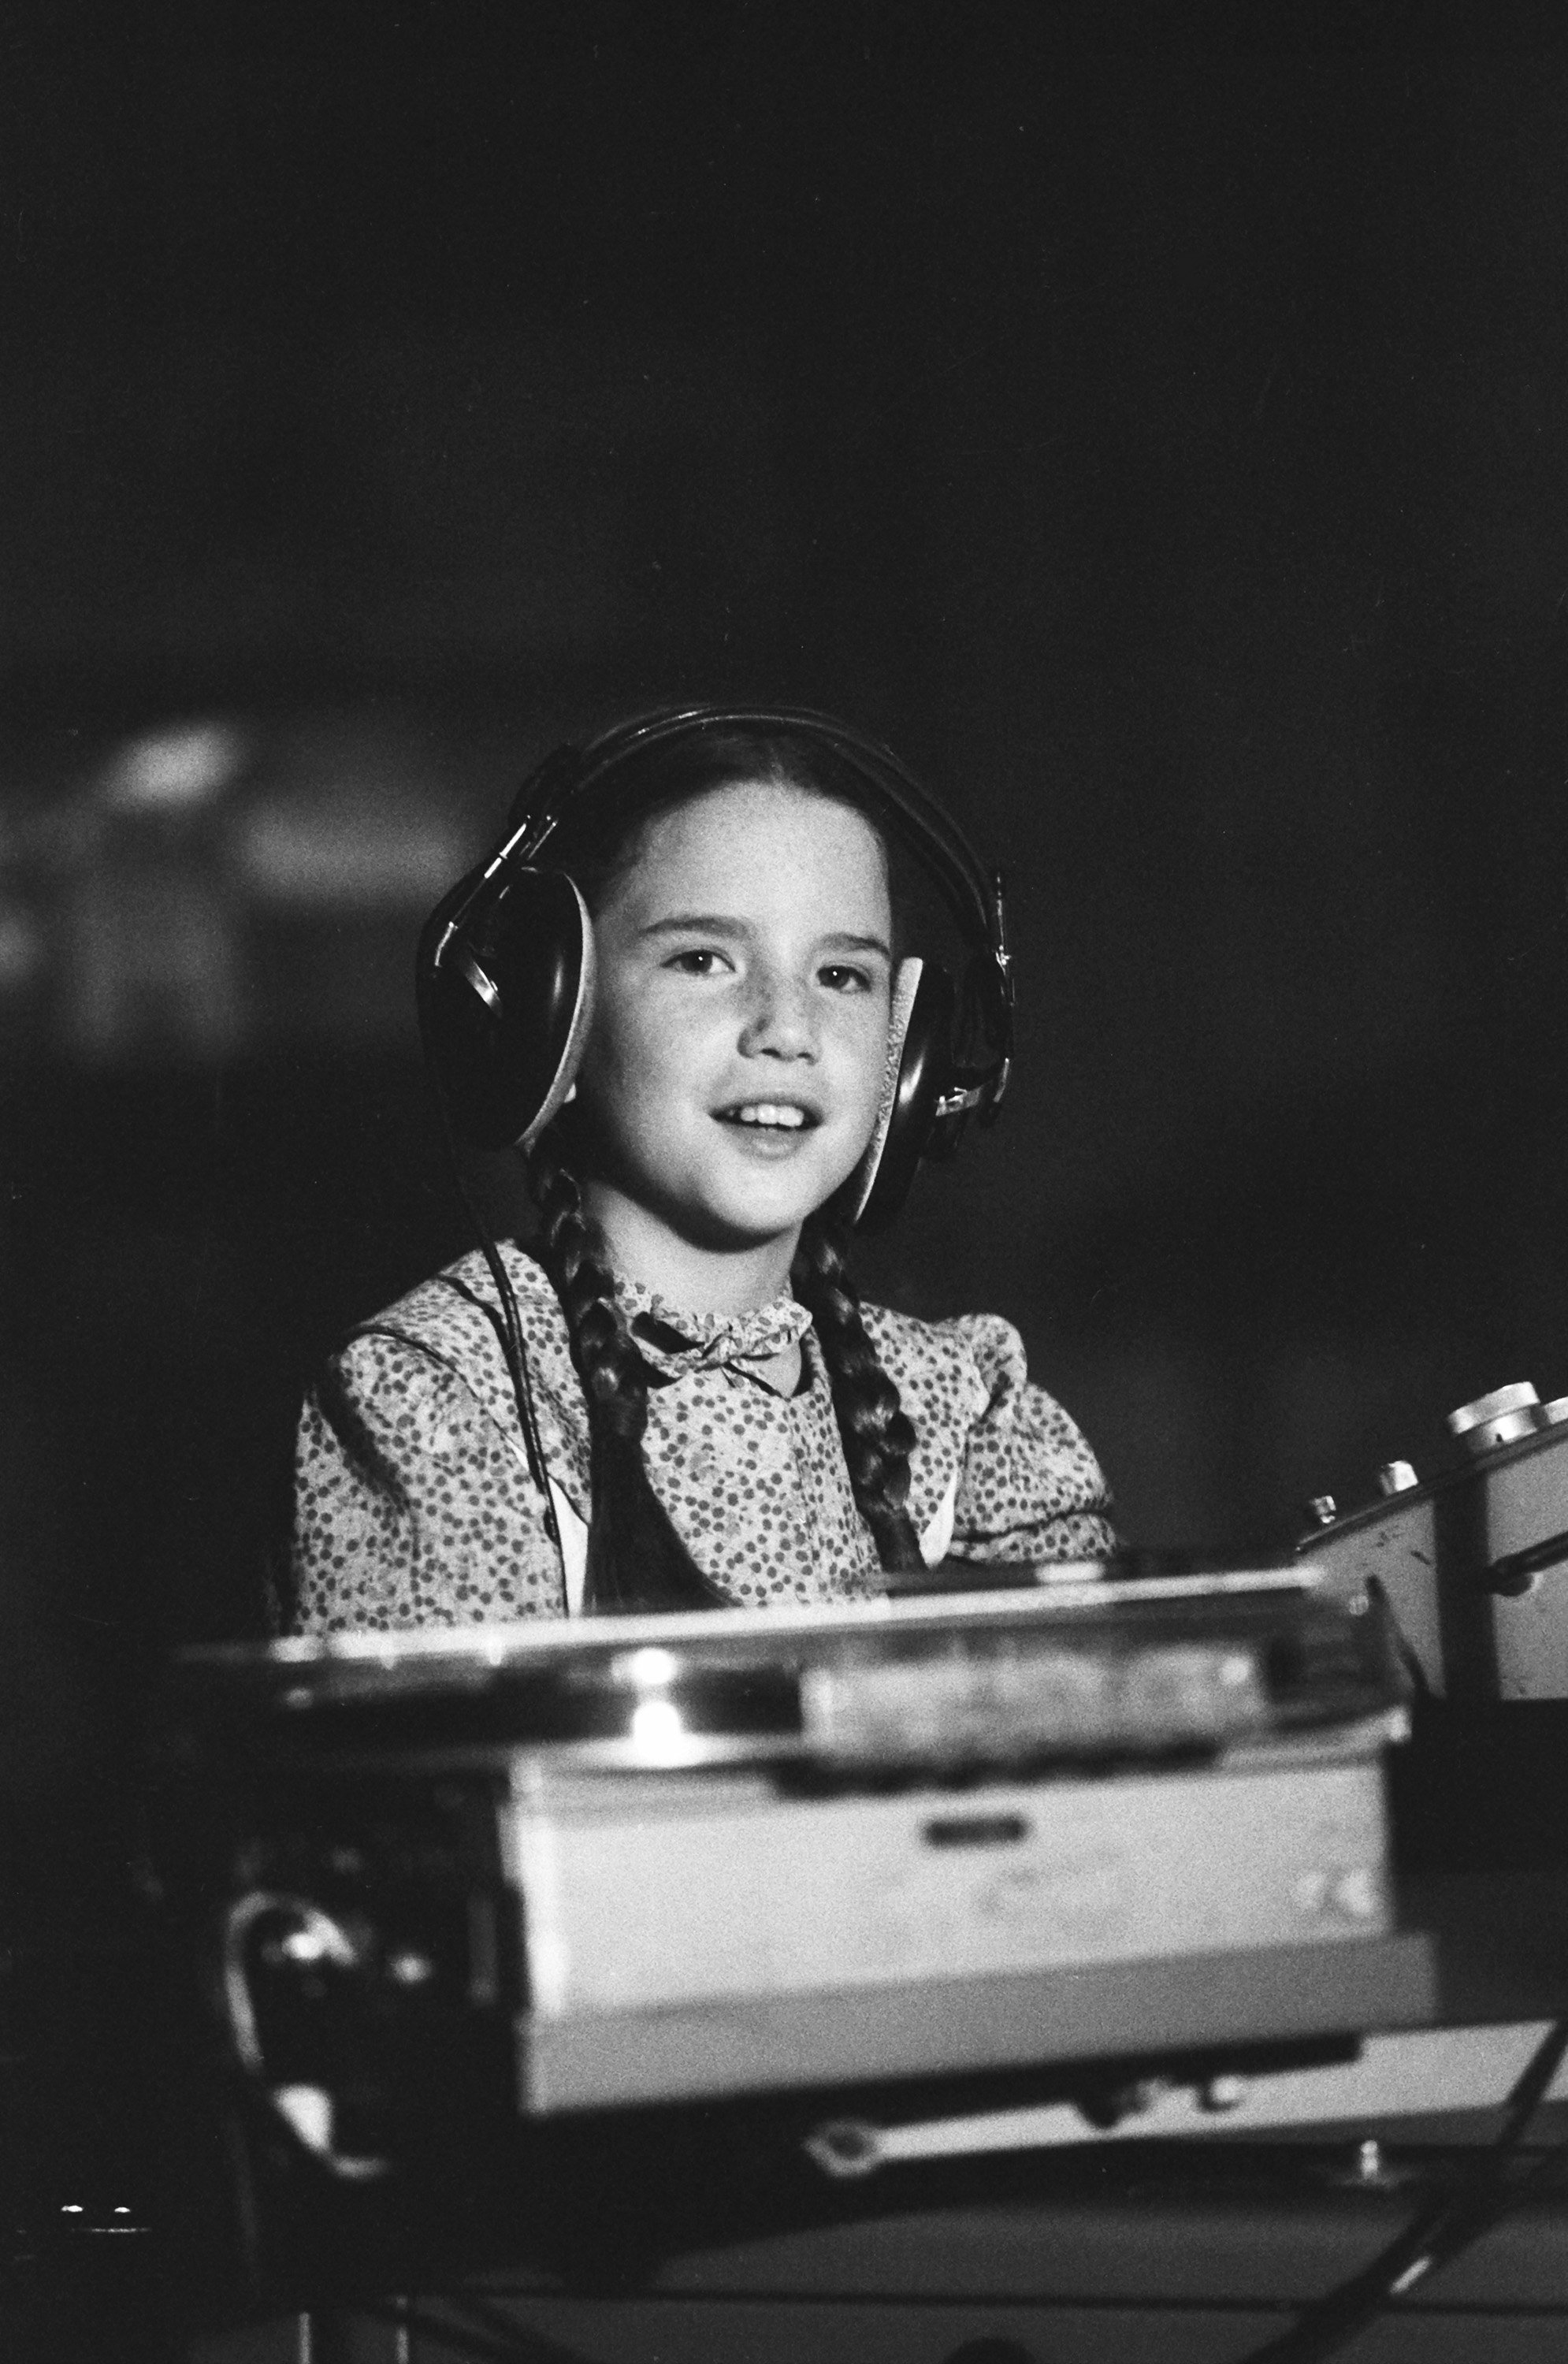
pixel 779 1021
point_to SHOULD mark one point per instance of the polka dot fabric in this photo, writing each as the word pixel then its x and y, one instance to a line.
pixel 413 1505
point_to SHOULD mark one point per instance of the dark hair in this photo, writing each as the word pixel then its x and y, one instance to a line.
pixel 636 1559
pixel 600 834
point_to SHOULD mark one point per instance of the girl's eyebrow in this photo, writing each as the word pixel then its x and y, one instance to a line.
pixel 707 923
pixel 714 923
pixel 859 945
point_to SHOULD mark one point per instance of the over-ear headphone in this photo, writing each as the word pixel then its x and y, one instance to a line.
pixel 505 973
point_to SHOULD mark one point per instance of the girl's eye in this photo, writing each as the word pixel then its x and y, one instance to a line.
pixel 839 976
pixel 699 961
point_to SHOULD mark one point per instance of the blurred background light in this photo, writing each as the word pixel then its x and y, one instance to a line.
pixel 174 771
pixel 363 850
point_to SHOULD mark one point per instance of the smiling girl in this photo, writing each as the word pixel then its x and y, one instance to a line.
pixel 717 1419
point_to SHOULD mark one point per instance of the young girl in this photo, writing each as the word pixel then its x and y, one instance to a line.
pixel 719 1420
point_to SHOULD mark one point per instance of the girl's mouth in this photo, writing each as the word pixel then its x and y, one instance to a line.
pixel 782 1116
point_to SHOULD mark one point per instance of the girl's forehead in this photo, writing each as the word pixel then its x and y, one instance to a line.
pixel 760 837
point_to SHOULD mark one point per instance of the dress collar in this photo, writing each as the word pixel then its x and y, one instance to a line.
pixel 675 1343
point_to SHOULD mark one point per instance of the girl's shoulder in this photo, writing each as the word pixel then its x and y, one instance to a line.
pixel 1032 1487
pixel 984 1343
pixel 455 1317
pixel 974 1359
pixel 462 1302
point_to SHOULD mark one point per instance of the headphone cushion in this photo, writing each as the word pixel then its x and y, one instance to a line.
pixel 924 1073
pixel 905 984
pixel 505 1006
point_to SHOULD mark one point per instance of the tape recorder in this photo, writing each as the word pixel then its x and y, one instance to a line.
pixel 1473 1562
pixel 652 1861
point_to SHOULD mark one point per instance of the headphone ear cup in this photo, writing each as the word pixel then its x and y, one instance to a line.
pixel 504 984
pixel 925 1073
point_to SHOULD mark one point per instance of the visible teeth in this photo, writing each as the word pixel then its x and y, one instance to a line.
pixel 767 1112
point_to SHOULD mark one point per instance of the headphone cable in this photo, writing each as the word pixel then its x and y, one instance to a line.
pixel 511 1328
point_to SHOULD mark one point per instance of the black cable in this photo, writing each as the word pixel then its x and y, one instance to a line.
pixel 511 1323
pixel 1549 2169
pixel 1438 2233
pixel 517 1365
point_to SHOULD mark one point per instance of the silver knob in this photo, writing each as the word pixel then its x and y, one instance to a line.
pixel 1322 1510
pixel 1397 1477
pixel 1500 1418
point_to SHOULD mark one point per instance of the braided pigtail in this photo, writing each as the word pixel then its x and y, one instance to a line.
pixel 636 1560
pixel 877 1434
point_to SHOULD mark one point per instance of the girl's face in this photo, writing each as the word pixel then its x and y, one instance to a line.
pixel 735 1063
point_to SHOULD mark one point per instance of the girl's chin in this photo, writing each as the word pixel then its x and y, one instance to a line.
pixel 723 1208
pixel 733 1222
pixel 736 1228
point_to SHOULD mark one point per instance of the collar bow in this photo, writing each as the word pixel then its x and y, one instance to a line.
pixel 675 1343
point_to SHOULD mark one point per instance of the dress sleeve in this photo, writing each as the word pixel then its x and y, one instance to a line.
pixel 1030 1487
pixel 412 1507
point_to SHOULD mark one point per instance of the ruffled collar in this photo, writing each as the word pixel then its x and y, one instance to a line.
pixel 674 1342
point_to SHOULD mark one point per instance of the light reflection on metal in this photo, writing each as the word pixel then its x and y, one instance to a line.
pixel 657 1726
pixel 650 1668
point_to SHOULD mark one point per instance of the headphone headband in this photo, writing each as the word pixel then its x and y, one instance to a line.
pixel 570 773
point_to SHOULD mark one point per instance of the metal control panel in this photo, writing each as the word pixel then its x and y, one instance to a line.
pixel 1473 1562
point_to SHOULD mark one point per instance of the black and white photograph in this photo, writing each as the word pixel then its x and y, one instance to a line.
pixel 783 1082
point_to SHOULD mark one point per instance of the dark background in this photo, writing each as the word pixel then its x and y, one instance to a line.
pixel 1162 448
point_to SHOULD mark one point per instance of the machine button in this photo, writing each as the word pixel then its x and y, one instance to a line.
pixel 1500 1418
pixel 1397 1477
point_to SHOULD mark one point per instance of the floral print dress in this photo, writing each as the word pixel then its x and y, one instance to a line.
pixel 413 1505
